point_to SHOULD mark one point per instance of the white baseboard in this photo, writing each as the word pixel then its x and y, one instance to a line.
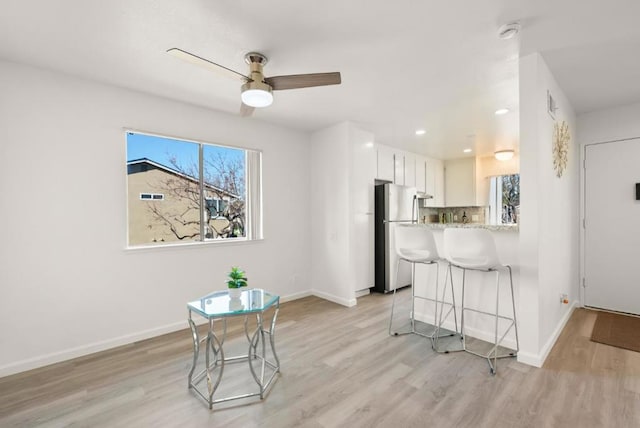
pixel 538 360
pixel 364 292
pixel 80 351
pixel 335 299
pixel 487 336
pixel 295 296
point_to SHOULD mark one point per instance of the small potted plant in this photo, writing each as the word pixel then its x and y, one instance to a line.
pixel 236 281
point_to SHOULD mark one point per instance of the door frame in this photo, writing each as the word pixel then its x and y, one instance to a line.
pixel 583 207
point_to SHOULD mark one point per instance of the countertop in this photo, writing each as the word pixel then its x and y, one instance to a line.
pixel 442 226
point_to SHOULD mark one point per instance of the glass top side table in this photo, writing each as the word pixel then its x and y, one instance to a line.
pixel 217 307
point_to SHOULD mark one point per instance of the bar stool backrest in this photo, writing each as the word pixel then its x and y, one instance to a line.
pixel 415 240
pixel 470 248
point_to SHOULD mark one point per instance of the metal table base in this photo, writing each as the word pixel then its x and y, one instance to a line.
pixel 215 360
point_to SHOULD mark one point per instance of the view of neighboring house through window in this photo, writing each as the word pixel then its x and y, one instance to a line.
pixel 504 199
pixel 184 191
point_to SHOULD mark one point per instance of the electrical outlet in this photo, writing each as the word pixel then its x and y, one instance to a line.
pixel 475 217
pixel 564 299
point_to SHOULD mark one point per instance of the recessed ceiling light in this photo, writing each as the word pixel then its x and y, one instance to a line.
pixel 508 31
pixel 368 144
pixel 467 150
pixel 421 132
pixel 502 111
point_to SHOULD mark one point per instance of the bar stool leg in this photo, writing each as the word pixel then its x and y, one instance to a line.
pixel 437 335
pixel 453 300
pixel 435 302
pixel 494 367
pixel 393 302
pixel 413 297
pixel 513 305
pixel 462 308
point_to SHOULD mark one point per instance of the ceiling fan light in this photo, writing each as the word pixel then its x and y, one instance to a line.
pixel 504 155
pixel 257 98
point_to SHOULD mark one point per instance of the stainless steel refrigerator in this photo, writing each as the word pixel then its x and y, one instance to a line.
pixel 394 205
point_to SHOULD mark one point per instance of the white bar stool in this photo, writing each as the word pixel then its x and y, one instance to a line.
pixel 417 245
pixel 475 249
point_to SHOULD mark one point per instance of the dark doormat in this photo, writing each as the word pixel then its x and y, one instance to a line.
pixel 622 331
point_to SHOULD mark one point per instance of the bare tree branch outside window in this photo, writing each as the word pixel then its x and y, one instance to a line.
pixel 510 198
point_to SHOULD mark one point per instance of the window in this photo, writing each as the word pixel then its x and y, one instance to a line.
pixel 151 196
pixel 207 192
pixel 504 199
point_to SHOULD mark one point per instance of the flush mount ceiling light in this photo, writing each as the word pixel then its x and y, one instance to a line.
pixel 421 132
pixel 502 111
pixel 467 150
pixel 503 155
pixel 256 94
pixel 508 31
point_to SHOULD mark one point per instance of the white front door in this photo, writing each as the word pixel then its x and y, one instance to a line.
pixel 612 226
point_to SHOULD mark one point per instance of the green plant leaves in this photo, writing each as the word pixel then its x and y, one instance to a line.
pixel 237 278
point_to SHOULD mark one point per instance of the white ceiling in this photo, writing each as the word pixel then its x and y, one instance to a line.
pixel 404 64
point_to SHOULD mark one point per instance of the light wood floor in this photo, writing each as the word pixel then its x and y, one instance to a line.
pixel 339 368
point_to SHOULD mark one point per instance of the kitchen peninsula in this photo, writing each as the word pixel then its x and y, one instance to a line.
pixel 479 289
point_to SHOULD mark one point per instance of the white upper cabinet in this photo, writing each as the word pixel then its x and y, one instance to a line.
pixel 364 170
pixel 386 163
pixel 391 165
pixel 409 169
pixel 460 182
pixel 398 168
pixel 421 174
pixel 434 182
pixel 438 193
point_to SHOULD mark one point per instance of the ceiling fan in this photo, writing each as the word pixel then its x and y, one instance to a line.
pixel 257 89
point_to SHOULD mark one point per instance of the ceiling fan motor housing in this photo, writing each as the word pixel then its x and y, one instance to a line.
pixel 255 92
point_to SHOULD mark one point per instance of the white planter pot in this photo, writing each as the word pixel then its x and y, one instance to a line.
pixel 235 293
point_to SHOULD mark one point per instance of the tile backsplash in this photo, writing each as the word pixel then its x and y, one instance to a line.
pixel 454 215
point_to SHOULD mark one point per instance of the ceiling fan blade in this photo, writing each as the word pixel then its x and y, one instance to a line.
pixel 245 110
pixel 195 59
pixel 295 81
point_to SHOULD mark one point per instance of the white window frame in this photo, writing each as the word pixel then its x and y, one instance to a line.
pixel 495 199
pixel 253 195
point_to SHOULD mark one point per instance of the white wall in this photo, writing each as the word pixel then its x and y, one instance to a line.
pixel 460 182
pixel 549 215
pixel 609 125
pixel 68 285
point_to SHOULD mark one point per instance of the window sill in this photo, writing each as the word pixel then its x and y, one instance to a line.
pixel 197 244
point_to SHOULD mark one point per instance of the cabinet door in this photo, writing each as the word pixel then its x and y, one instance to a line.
pixel 386 167
pixel 364 172
pixel 430 183
pixel 398 168
pixel 421 174
pixel 435 182
pixel 409 169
